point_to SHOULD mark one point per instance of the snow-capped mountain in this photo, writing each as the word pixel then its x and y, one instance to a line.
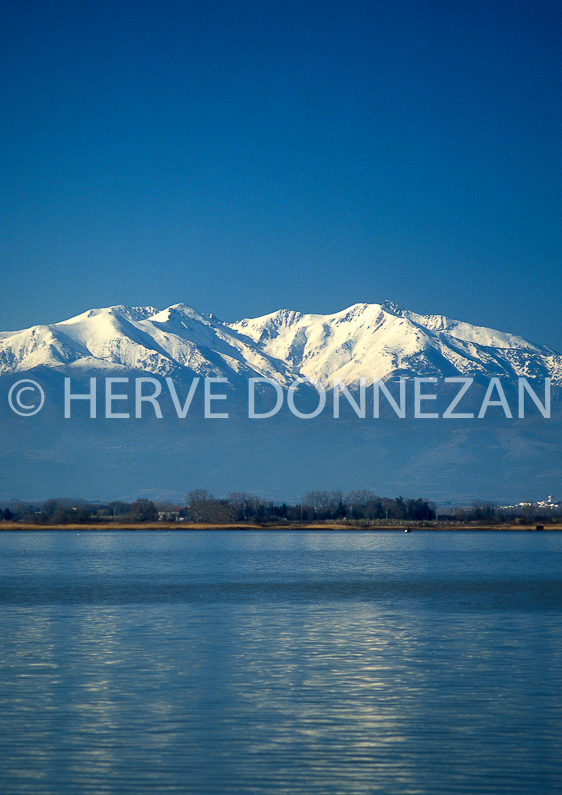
pixel 370 341
pixel 375 341
pixel 174 341
pixel 51 452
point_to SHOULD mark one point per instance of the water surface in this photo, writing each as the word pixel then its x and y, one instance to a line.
pixel 280 662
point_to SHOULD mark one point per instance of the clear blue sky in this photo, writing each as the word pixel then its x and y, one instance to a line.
pixel 247 156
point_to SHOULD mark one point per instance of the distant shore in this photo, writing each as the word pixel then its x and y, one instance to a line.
pixel 276 526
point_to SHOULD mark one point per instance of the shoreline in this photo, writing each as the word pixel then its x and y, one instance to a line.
pixel 275 527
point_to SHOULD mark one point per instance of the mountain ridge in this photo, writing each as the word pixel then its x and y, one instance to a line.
pixel 364 341
pixel 495 457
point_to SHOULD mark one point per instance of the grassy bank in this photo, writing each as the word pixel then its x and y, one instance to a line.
pixel 312 526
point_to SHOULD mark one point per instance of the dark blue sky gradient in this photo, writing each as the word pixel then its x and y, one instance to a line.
pixel 247 156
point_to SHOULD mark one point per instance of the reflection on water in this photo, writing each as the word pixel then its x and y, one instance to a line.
pixel 280 663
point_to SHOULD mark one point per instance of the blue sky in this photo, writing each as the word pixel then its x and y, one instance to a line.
pixel 247 156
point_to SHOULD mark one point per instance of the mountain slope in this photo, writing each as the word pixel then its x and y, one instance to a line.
pixel 375 341
pixel 370 341
pixel 175 341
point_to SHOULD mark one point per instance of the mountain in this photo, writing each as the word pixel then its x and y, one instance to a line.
pixel 375 341
pixel 163 457
pixel 370 341
pixel 175 341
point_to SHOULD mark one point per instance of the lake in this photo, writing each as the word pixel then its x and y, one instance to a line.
pixel 280 662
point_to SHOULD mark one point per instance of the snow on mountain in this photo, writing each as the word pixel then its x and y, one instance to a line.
pixel 462 331
pixel 163 343
pixel 369 341
pixel 375 341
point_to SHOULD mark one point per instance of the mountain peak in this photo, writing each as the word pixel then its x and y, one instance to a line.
pixel 135 313
pixel 177 312
pixel 393 308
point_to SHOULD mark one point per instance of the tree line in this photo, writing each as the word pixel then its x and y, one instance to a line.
pixel 240 507
pixel 200 506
